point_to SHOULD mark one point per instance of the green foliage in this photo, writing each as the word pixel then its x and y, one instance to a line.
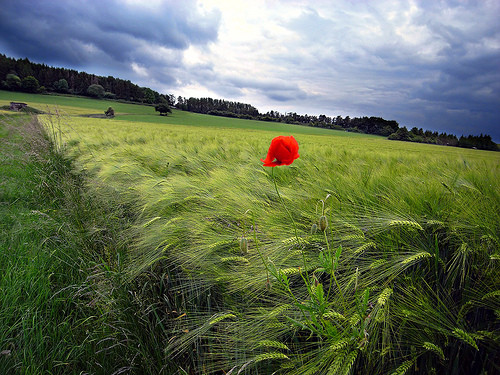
pixel 61 85
pixel 109 95
pixel 401 134
pixel 30 84
pixel 95 90
pixel 13 82
pixel 149 96
pixel 163 108
pixel 482 142
pixel 62 306
pixel 71 81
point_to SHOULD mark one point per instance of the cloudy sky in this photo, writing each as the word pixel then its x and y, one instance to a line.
pixel 431 64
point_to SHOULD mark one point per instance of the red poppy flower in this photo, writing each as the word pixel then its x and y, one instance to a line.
pixel 283 151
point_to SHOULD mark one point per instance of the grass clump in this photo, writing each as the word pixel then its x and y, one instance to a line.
pixel 43 315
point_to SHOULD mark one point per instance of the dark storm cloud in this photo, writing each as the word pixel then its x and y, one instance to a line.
pixel 435 65
pixel 78 33
pixel 464 96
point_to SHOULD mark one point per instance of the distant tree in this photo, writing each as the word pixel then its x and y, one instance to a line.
pixel 13 82
pixel 482 142
pixel 24 68
pixel 109 95
pixel 68 80
pixel 149 95
pixel 181 103
pixel 110 112
pixel 163 108
pixel 30 84
pixel 171 99
pixel 386 131
pixel 95 90
pixel 402 134
pixel 61 85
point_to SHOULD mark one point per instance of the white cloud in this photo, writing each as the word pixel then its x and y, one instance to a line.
pixel 139 70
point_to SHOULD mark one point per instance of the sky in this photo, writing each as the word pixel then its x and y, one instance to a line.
pixel 430 64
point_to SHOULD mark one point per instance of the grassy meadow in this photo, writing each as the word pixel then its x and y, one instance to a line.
pixel 80 106
pixel 51 318
pixel 363 256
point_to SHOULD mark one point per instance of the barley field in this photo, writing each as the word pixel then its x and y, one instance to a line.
pixel 405 275
pixel 363 256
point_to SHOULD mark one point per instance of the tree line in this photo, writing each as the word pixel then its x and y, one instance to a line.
pixel 217 107
pixel 367 125
pixel 24 75
pixel 482 142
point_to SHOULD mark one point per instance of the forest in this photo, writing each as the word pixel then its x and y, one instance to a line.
pixel 24 75
pixel 367 125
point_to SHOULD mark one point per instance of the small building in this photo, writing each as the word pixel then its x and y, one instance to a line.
pixel 17 106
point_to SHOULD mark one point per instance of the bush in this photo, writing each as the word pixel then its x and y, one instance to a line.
pixel 30 84
pixel 401 134
pixel 110 112
pixel 13 82
pixel 61 86
pixel 163 109
pixel 109 95
pixel 97 91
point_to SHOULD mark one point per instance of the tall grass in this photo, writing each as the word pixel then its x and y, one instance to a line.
pixel 63 308
pixel 167 249
pixel 404 279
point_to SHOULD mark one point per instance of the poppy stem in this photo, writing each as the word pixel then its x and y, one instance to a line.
pixel 293 222
pixel 286 208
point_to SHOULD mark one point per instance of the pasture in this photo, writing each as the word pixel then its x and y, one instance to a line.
pixel 78 106
pixel 230 269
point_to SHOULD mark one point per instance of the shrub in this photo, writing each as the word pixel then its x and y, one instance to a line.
pixel 163 109
pixel 109 95
pixel 61 86
pixel 13 82
pixel 97 91
pixel 110 112
pixel 30 84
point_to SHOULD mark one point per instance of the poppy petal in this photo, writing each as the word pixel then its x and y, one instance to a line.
pixel 282 151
